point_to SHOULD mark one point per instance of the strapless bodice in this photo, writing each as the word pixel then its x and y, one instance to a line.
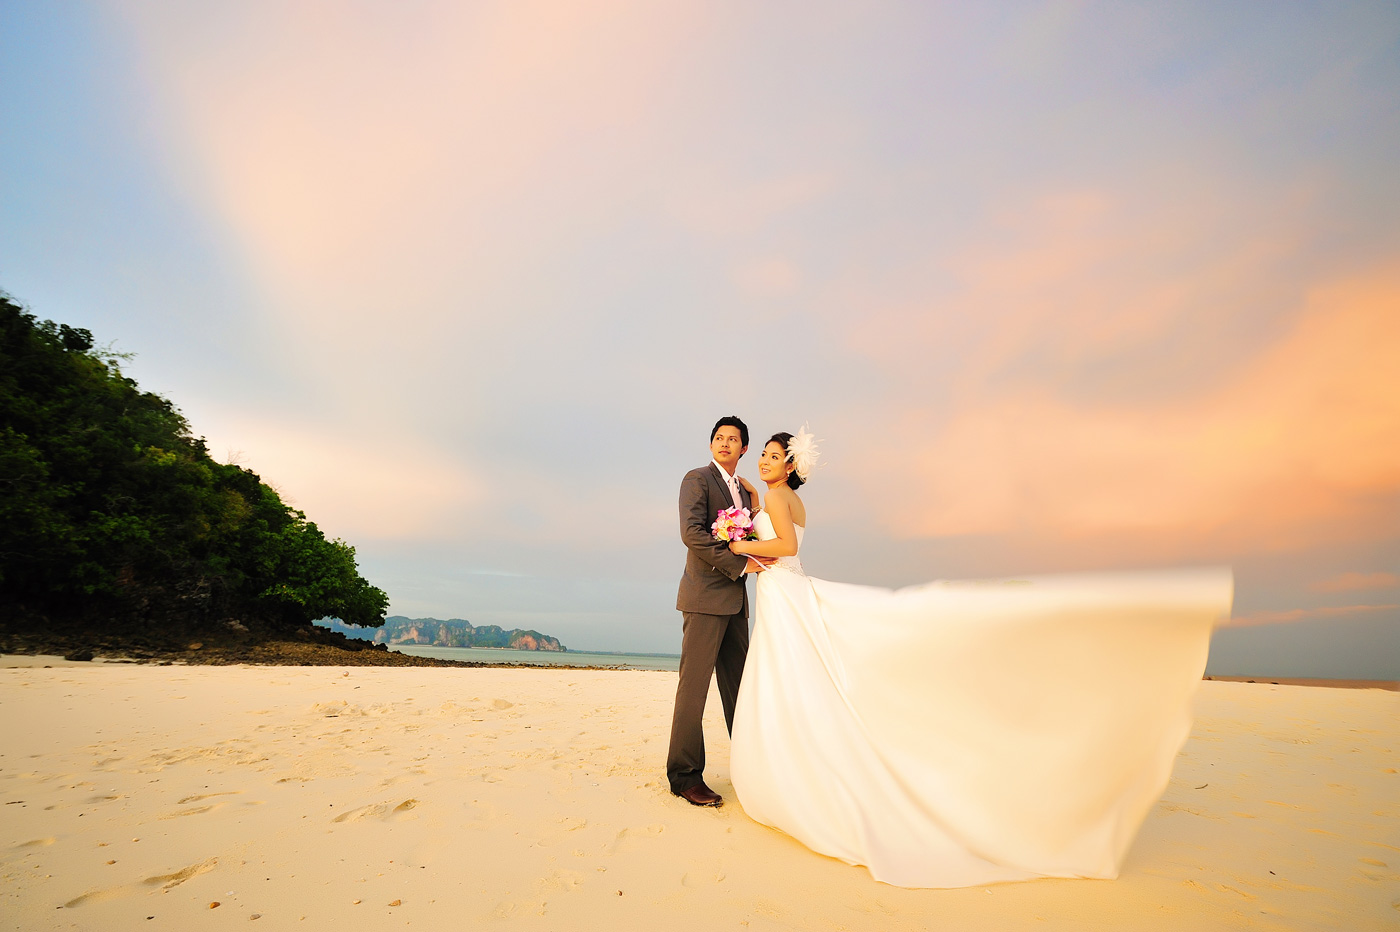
pixel 763 526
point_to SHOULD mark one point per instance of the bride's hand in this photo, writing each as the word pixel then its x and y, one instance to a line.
pixel 740 547
pixel 748 487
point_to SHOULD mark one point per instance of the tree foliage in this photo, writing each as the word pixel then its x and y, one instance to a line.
pixel 111 511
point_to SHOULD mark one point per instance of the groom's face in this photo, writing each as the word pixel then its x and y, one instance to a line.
pixel 727 446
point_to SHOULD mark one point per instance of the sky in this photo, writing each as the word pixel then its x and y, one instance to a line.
pixel 1060 286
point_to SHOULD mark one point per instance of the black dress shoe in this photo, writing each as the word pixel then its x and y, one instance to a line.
pixel 701 795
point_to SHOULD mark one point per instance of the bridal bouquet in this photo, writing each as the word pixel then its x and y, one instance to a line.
pixel 734 524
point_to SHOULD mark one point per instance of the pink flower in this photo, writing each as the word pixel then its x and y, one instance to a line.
pixel 733 523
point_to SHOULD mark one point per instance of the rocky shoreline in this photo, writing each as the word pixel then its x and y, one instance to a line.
pixel 306 646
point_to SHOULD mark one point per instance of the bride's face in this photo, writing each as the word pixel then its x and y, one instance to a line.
pixel 772 463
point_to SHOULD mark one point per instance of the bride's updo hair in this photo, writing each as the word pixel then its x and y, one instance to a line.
pixel 783 438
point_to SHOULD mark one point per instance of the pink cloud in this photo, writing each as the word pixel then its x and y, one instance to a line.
pixel 368 173
pixel 358 482
pixel 1298 446
pixel 1304 614
pixel 392 190
pixel 1347 582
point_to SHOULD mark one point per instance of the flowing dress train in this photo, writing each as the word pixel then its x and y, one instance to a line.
pixel 969 732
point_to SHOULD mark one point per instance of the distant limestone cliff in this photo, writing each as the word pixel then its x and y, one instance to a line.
pixel 454 632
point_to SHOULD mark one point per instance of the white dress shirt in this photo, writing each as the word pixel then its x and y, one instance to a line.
pixel 732 482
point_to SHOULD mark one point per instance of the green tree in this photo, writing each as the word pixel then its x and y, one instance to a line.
pixel 112 513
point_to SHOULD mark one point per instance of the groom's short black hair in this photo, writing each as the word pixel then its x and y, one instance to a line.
pixel 731 421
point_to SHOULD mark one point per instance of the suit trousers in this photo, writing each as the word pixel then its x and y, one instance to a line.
pixel 715 644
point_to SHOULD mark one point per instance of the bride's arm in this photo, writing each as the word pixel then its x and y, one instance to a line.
pixel 784 545
pixel 753 495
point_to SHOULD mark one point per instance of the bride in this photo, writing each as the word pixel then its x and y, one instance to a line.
pixel 961 733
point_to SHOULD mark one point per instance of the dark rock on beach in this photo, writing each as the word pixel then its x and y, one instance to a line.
pixel 230 643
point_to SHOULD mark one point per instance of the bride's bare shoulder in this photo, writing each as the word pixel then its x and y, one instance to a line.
pixel 798 508
pixel 790 500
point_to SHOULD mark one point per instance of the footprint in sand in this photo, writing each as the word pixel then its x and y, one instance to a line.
pixel 1275 802
pixel 509 908
pixel 501 705
pixel 383 811
pixel 562 880
pixel 702 878
pixel 195 799
pixel 557 833
pixel 93 896
pixel 628 834
pixel 167 881
pixel 195 810
pixel 37 843
pixel 1377 870
pixel 171 881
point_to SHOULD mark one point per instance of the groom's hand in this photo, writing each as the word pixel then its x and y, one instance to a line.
pixel 759 564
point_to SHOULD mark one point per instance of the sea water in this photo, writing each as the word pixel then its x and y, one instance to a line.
pixel 545 658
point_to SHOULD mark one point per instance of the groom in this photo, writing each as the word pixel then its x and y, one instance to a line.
pixel 714 604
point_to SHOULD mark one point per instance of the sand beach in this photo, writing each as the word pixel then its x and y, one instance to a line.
pixel 192 798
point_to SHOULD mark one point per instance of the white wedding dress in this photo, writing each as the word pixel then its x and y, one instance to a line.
pixel 969 732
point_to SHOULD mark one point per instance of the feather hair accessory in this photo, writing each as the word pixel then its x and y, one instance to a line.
pixel 802 450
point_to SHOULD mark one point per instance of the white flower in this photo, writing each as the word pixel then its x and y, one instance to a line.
pixel 802 450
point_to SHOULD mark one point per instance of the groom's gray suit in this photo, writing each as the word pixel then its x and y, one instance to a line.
pixel 714 604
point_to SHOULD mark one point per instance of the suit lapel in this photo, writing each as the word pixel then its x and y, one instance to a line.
pixel 722 488
pixel 719 492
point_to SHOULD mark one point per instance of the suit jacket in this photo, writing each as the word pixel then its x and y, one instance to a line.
pixel 713 583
